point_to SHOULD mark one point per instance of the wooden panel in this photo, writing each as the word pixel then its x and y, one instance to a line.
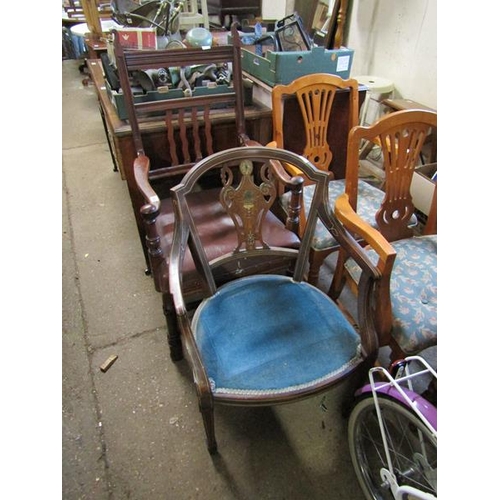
pixel 235 7
pixel 92 16
pixel 295 140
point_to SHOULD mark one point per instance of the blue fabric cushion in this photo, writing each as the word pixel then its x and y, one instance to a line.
pixel 413 292
pixel 369 200
pixel 267 334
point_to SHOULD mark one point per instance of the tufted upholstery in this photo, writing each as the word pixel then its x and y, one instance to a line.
pixel 413 292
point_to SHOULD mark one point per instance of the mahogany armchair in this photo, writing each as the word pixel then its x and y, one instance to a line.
pixel 405 298
pixel 263 339
pixel 321 120
pixel 190 122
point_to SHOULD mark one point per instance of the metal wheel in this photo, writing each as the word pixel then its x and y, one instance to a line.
pixel 412 449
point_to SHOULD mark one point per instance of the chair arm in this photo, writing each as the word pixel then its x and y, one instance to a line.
pixel 150 211
pixel 246 141
pixel 295 185
pixel 289 170
pixel 354 223
pixel 177 251
pixel 200 376
pixel 157 259
pixel 386 258
pixel 369 279
pixel 141 176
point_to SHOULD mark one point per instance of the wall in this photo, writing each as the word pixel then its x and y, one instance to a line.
pixel 396 39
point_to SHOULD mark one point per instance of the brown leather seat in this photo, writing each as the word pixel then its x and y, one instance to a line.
pixel 216 231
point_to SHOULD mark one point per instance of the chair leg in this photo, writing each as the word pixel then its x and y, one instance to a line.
pixel 173 332
pixel 396 352
pixel 315 261
pixel 207 413
pixel 338 279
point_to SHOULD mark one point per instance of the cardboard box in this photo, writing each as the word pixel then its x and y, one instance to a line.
pixel 283 67
pixel 422 187
pixel 137 38
pixel 133 38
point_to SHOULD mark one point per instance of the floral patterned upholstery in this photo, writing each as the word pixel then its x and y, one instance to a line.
pixel 413 292
pixel 369 200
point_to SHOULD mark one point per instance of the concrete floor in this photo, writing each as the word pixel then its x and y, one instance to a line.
pixel 135 431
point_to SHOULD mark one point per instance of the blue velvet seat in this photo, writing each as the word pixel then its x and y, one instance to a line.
pixel 254 338
pixel 263 338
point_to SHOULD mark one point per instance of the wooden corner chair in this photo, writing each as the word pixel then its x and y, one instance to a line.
pixel 406 296
pixel 263 339
pixel 321 122
pixel 189 136
pixel 190 121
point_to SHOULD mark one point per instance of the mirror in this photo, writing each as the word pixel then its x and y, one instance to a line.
pixel 325 21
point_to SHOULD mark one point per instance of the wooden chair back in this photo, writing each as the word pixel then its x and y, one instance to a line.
pixel 248 191
pixel 312 116
pixel 401 137
pixel 189 118
pixel 315 94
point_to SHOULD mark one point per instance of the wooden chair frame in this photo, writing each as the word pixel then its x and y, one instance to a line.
pixel 189 135
pixel 247 203
pixel 401 136
pixel 182 115
pixel 315 95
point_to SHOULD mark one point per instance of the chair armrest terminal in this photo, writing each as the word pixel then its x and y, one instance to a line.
pixel 354 223
pixel 141 175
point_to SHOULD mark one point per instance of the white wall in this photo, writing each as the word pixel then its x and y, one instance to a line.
pixel 397 40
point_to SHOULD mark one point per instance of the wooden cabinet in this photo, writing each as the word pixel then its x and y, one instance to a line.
pixel 257 122
pixel 238 8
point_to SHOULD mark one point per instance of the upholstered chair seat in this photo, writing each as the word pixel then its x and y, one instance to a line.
pixel 370 199
pixel 413 292
pixel 249 349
